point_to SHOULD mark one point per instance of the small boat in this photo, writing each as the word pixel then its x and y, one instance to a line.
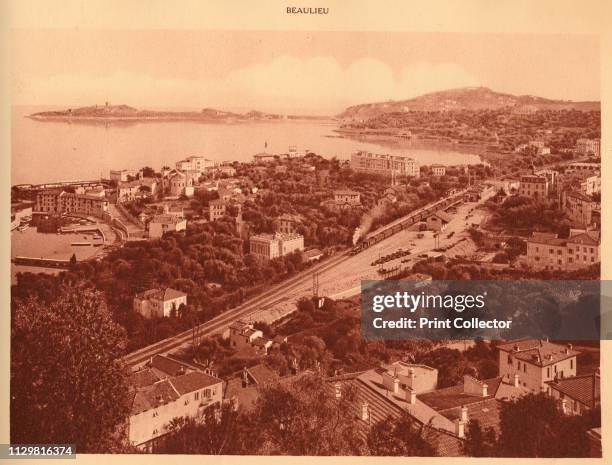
pixel 80 243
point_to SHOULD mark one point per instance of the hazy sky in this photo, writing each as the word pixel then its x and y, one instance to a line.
pixel 297 72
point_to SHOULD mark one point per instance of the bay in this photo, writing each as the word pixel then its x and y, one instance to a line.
pixel 50 151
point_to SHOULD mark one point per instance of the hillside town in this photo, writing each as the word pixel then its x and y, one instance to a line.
pixel 276 213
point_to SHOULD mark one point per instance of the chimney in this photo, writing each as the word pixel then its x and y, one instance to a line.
pixel 459 428
pixel 365 411
pixel 410 396
pixel 516 380
pixel 464 414
pixel 485 389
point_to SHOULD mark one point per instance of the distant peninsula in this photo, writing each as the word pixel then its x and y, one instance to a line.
pixel 119 113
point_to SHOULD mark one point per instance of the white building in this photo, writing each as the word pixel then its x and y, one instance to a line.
pixel 158 303
pixel 195 163
pixel 545 251
pixel 535 362
pixel 384 164
pixel 438 170
pixel 162 224
pixel 588 146
pixel 166 389
pixel 533 186
pixel 275 245
pixel 123 175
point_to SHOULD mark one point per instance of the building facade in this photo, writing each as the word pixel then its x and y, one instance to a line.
pixel 166 389
pixel 347 197
pixel 276 245
pixel 579 208
pixel 162 224
pixel 60 202
pixel 216 209
pixel 384 164
pixel 545 251
pixel 533 186
pixel 588 146
pixel 536 362
pixel 158 303
pixel 438 170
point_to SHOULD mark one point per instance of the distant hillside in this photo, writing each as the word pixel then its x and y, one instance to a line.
pixel 467 98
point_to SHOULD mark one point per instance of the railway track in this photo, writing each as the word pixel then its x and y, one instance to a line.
pixel 268 298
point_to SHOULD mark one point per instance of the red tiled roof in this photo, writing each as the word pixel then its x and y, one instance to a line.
pixel 580 388
pixel 453 396
pixel 153 396
pixel 193 381
pixel 537 352
pixel 143 378
pixel 167 365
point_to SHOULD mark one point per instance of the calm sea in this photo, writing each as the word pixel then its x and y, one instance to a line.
pixel 58 151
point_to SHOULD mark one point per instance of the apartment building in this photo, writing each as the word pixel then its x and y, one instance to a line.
pixel 384 164
pixel 579 208
pixel 161 224
pixel 438 170
pixel 158 303
pixel 534 186
pixel 166 389
pixel 287 224
pixel 546 251
pixel 591 185
pixel 588 147
pixel 275 245
pixel 60 202
pixel 195 163
pixel 536 362
pixel 216 209
pixel 347 198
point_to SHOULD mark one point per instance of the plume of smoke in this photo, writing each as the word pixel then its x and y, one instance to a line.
pixel 367 220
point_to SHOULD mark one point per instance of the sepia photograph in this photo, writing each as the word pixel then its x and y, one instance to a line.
pixel 209 228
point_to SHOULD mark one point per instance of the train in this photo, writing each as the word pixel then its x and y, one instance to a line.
pixel 410 220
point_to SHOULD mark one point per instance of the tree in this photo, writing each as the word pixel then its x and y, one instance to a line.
pixel 479 443
pixel 67 385
pixel 547 433
pixel 398 437
pixel 305 418
pixel 220 430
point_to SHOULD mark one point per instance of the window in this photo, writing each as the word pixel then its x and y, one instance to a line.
pixel 509 359
pixel 572 364
pixel 555 368
pixel 592 250
pixel 548 372
pixel 518 365
pixel 558 252
pixel 155 414
pixel 206 393
pixel 525 367
pixel 196 395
